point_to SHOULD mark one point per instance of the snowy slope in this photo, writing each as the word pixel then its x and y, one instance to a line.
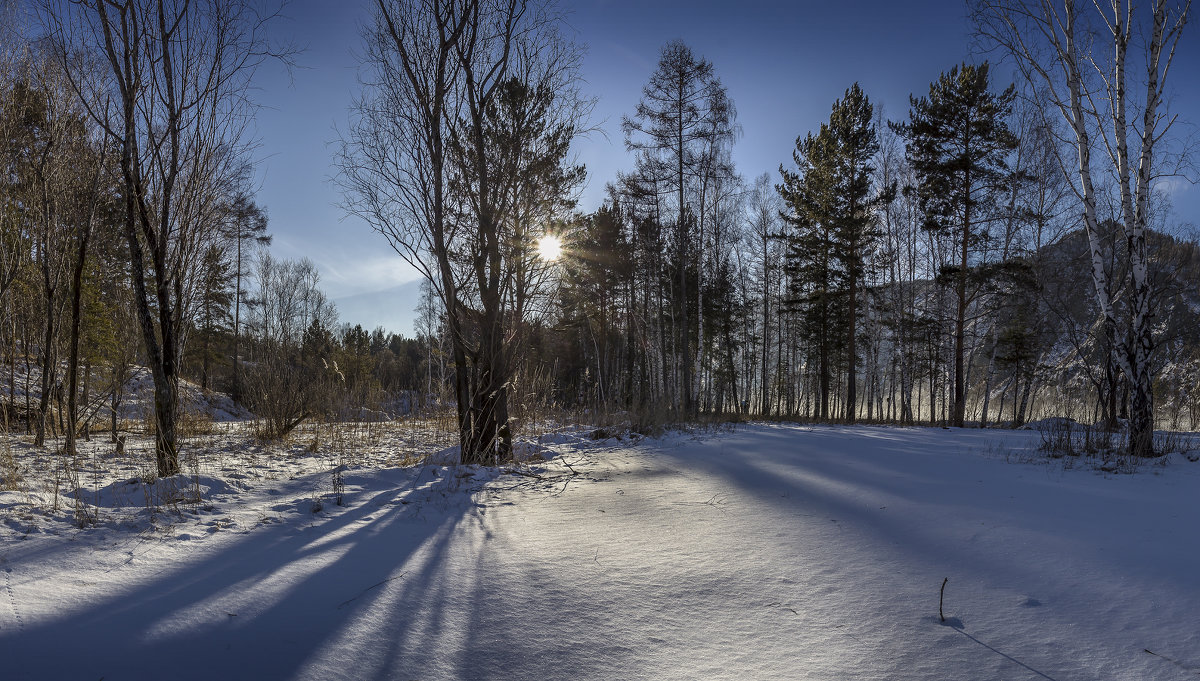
pixel 137 400
pixel 771 552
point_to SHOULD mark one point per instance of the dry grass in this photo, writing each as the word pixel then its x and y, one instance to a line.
pixel 10 470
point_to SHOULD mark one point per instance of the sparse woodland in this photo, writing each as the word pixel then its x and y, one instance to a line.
pixel 996 253
pixel 959 338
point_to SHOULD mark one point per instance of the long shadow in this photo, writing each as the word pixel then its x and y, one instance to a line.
pixel 1006 656
pixel 803 480
pixel 822 467
pixel 807 479
pixel 258 608
pixel 579 640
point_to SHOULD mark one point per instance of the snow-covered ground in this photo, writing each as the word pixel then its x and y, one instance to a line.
pixel 767 552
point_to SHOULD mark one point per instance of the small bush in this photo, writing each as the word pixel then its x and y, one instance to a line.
pixel 1058 440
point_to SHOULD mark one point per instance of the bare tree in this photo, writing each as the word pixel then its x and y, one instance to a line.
pixel 292 325
pixel 246 227
pixel 1077 55
pixel 172 99
pixel 765 229
pixel 461 98
pixel 394 163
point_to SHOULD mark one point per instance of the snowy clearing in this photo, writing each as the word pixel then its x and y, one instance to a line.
pixel 768 552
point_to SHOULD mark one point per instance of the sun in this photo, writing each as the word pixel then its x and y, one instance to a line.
pixel 550 247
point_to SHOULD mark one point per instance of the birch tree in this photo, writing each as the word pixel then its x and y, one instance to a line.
pixel 1078 55
pixel 765 230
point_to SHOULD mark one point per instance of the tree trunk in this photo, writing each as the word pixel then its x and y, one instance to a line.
pixel 73 360
pixel 166 405
pixel 764 406
pixel 115 404
pixel 851 346
pixel 958 415
pixel 48 366
pixel 236 388
pixel 87 380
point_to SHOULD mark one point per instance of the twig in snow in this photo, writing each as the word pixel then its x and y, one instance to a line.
pixel 783 607
pixel 514 471
pixel 942 599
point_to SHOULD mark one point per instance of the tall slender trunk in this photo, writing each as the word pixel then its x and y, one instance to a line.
pixel 958 415
pixel 73 360
pixel 987 386
pixel 764 406
pixel 851 340
pixel 1024 401
pixel 685 355
pixel 28 378
pixel 237 320
pixel 12 365
pixel 49 362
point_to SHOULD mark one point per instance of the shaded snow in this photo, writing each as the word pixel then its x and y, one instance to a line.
pixel 771 552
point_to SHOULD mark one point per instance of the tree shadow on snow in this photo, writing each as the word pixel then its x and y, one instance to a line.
pixel 281 602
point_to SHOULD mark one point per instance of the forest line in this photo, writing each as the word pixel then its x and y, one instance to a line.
pixel 997 255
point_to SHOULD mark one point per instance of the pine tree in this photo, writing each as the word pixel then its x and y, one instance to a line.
pixel 856 227
pixel 246 228
pixel 216 291
pixel 814 277
pixel 957 143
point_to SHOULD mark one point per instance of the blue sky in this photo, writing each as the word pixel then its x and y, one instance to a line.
pixel 784 63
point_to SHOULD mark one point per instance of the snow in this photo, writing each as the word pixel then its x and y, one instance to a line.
pixel 766 552
pixel 137 402
pixel 210 405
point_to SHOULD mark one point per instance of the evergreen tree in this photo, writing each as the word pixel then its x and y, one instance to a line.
pixel 216 291
pixel 246 227
pixel 856 227
pixel 957 143
pixel 684 113
pixel 595 281
pixel 814 277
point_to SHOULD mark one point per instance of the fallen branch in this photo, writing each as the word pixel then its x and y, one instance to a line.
pixel 514 471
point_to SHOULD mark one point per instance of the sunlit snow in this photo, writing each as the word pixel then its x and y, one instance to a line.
pixel 768 552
